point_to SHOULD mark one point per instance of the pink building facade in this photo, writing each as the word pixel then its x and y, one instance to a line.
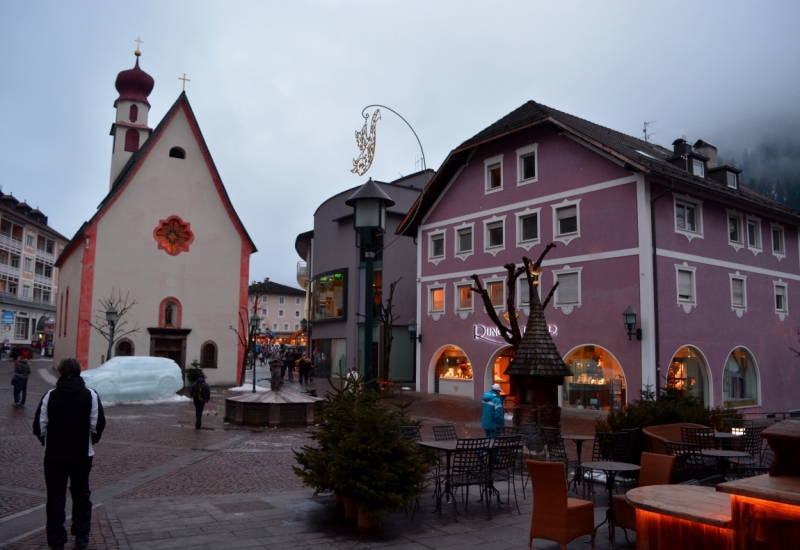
pixel 707 264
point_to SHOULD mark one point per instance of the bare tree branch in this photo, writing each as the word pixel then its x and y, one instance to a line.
pixel 123 306
pixel 387 318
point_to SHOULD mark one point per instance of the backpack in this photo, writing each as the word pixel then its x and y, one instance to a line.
pixel 197 394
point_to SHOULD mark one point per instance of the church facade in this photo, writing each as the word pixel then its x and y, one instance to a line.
pixel 166 237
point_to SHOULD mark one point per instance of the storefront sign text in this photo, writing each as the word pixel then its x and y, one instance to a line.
pixel 492 334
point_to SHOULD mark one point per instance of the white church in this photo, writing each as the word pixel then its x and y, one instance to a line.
pixel 167 236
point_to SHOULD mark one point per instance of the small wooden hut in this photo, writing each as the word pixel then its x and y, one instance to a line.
pixel 536 372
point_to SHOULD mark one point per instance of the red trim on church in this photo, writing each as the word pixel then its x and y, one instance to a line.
pixel 244 277
pixel 178 314
pixel 87 289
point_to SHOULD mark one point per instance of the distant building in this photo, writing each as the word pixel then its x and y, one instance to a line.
pixel 708 264
pixel 333 266
pixel 167 234
pixel 28 276
pixel 281 309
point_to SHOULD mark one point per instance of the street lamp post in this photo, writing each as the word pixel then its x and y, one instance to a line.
pixel 369 204
pixel 111 318
pixel 255 321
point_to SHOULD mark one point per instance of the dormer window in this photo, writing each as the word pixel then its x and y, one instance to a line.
pixel 177 153
pixel 732 183
pixel 698 168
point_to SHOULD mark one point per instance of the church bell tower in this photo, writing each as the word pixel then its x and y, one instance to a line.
pixel 130 129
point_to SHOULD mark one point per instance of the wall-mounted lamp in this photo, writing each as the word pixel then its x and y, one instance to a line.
pixel 412 332
pixel 629 317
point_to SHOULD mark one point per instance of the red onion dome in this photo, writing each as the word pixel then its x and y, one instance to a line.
pixel 134 84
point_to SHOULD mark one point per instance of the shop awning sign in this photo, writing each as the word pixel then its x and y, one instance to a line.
pixel 492 334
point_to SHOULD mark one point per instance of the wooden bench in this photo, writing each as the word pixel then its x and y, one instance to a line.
pixel 682 516
pixel 386 387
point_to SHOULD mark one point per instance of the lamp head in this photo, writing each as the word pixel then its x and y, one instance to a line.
pixel 111 314
pixel 369 203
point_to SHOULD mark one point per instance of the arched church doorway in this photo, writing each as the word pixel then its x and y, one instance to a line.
pixel 453 372
pixel 597 381
pixel 688 374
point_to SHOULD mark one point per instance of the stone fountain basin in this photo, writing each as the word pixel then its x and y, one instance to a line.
pixel 271 408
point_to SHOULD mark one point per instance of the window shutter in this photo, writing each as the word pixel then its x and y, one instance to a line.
pixel 685 285
pixel 567 212
pixel 738 292
pixel 568 288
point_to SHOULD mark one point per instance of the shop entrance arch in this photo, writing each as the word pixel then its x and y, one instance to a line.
pixel 688 374
pixel 496 368
pixel 450 372
pixel 597 381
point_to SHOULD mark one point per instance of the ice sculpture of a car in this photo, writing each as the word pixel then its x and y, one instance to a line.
pixel 135 378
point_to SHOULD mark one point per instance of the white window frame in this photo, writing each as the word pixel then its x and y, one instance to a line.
pixel 457 309
pixel 702 165
pixel 297 301
pixel 29 241
pixel 527 245
pixel 698 210
pixel 494 249
pixel 502 281
pixel 431 235
pixel 281 313
pixel 275 326
pixel 296 326
pixel 264 312
pixel 436 314
pixel 687 305
pixel 286 327
pixel 264 299
pixel 781 313
pixel 491 161
pixel 779 228
pixel 282 300
pixel 26 291
pixel 463 255
pixel 297 313
pixel 523 152
pixel 521 283
pixel 28 264
pixel 567 237
pixel 737 246
pixel 566 309
pixel 739 310
pixel 759 247
pixel 735 185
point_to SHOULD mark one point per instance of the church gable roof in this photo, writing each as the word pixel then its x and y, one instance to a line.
pixel 136 161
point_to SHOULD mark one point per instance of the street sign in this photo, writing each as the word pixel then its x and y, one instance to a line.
pixel 8 317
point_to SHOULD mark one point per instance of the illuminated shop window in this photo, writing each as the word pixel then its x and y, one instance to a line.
pixel 740 380
pixel 687 374
pixel 454 364
pixel 597 380
pixel 329 296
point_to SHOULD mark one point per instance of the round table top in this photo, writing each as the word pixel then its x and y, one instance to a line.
pixel 724 453
pixel 610 466
pixel 578 437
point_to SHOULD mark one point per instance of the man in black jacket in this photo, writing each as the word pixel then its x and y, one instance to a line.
pixel 68 422
pixel 201 394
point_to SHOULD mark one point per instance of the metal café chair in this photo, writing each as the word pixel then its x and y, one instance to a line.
pixel 760 468
pixel 704 437
pixel 690 468
pixel 444 432
pixel 470 467
pixel 503 465
pixel 556 451
pixel 411 433
pixel 533 442
pixel 750 443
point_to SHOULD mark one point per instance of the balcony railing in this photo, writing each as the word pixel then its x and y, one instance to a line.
pixel 46 256
pixel 34 299
pixel 9 270
pixel 44 279
pixel 302 274
pixel 11 242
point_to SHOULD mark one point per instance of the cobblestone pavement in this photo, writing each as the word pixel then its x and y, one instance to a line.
pixel 158 483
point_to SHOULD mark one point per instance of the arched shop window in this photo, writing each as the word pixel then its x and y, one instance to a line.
pixel 740 380
pixel 597 380
pixel 499 369
pixel 687 374
pixel 453 372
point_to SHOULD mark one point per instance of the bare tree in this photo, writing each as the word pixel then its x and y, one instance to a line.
pixel 242 335
pixel 123 306
pixel 387 318
pixel 512 333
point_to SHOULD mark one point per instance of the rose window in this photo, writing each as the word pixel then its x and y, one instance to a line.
pixel 173 235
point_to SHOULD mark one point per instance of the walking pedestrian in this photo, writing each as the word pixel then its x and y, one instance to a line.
pixel 304 368
pixel 201 394
pixel 493 415
pixel 69 422
pixel 19 381
pixel 288 362
pixel 26 372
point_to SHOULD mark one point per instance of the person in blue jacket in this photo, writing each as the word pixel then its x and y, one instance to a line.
pixel 492 417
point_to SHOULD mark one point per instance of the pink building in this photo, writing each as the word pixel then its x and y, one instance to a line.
pixel 707 263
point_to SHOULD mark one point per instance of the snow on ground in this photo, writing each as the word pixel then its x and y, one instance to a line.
pixel 248 387
pixel 159 401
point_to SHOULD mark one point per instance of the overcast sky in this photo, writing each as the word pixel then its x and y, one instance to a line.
pixel 278 88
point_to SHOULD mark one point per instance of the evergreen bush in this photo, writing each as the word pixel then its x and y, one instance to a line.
pixel 194 372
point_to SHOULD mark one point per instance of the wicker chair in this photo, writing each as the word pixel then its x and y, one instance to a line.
pixel 445 432
pixel 555 516
pixel 657 435
pixel 656 470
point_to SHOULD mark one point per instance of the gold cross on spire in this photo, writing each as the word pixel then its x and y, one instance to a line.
pixel 185 80
pixel 138 43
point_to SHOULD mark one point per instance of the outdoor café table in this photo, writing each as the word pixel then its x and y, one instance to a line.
pixel 578 439
pixel 681 516
pixel 722 455
pixel 611 469
pixel 723 437
pixel 448 447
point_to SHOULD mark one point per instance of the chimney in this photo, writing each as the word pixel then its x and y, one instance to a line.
pixel 708 150
pixel 681 147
